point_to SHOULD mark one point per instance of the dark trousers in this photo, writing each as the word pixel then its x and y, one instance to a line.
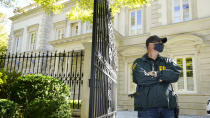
pixel 156 113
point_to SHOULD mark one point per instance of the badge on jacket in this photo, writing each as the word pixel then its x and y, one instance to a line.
pixel 162 68
pixel 134 66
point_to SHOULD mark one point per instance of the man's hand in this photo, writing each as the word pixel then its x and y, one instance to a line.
pixel 153 73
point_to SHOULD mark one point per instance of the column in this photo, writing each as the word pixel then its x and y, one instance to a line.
pixel 85 86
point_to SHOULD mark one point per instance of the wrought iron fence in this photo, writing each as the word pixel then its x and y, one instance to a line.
pixel 103 82
pixel 67 66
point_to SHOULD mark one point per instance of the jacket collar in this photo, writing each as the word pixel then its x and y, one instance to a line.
pixel 146 58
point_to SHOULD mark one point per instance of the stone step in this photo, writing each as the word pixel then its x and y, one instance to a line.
pixel 133 114
pixel 76 113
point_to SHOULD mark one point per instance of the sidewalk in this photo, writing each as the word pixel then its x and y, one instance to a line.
pixel 133 114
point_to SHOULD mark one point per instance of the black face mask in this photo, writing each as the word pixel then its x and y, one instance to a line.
pixel 159 47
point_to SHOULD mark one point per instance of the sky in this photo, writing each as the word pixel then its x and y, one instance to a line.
pixel 9 11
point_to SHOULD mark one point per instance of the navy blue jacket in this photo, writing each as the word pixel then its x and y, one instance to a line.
pixel 150 93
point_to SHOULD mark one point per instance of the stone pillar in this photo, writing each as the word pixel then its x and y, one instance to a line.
pixel 11 39
pixel 85 87
pixel 44 32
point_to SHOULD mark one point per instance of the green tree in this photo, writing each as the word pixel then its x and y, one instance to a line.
pixel 3 33
pixel 83 9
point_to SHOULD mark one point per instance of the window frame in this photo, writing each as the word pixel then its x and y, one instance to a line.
pixel 185 91
pixel 57 35
pixel 142 21
pixel 181 11
pixel 76 33
pixel 86 27
pixel 35 47
pixel 17 38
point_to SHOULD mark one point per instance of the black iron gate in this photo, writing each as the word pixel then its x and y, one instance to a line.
pixel 103 82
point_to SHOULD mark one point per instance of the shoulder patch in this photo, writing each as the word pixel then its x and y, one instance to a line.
pixel 134 66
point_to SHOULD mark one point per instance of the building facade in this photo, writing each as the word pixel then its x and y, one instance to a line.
pixel 186 24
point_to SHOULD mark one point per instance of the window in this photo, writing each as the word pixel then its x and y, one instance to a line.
pixel 74 29
pixel 135 22
pixel 59 33
pixel 32 41
pixel 181 10
pixel 88 27
pixel 186 82
pixel 18 41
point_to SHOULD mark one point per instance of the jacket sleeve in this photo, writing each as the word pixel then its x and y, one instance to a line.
pixel 171 73
pixel 140 76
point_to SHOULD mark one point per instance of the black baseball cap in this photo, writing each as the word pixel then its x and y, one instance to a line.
pixel 155 38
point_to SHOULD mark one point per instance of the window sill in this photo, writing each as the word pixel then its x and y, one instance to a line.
pixel 182 21
pixel 137 35
pixel 187 93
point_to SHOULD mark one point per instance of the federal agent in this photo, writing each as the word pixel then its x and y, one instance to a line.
pixel 153 75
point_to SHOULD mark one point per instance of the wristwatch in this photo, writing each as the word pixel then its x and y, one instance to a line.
pixel 153 73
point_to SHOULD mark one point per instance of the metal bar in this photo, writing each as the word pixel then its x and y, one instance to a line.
pixel 46 64
pixel 23 61
pixel 59 54
pixel 19 56
pixel 11 64
pixel 67 65
pixel 80 77
pixel 27 55
pixel 39 57
pixel 49 69
pixel 30 62
pixel 8 56
pixel 63 58
pixel 71 67
pixel 2 60
pixel 75 78
pixel 42 61
pixel 15 57
pixel 55 62
pixel 94 37
pixel 34 65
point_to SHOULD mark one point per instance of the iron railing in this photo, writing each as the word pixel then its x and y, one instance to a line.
pixel 67 66
pixel 103 81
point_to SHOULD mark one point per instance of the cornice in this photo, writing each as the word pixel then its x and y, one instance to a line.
pixel 38 9
pixel 73 39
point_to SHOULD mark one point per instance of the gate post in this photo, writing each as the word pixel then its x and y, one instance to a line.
pixel 85 87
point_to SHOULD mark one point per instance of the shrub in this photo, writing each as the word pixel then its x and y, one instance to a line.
pixel 11 75
pixel 39 94
pixel 6 80
pixel 3 78
pixel 8 109
pixel 42 108
pixel 29 87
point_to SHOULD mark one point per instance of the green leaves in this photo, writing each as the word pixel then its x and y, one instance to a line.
pixel 45 108
pixel 83 10
pixel 3 35
pixel 8 109
pixel 51 6
pixel 41 96
pixel 38 96
pixel 3 78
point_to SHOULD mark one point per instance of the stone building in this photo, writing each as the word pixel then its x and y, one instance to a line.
pixel 186 24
